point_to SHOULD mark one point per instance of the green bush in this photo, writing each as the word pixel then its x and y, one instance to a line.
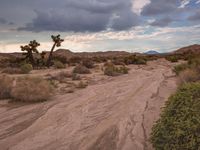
pixel 75 76
pixel 172 58
pixel 112 70
pixel 178 68
pixel 80 69
pixel 194 62
pixel 88 63
pixel 138 60
pixel 179 125
pixel 59 65
pixel 26 68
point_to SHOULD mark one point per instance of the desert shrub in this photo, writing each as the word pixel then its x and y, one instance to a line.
pixel 80 69
pixel 15 62
pixel 133 59
pixel 99 59
pixel 123 70
pixel 178 68
pixel 62 59
pixel 75 76
pixel 179 125
pixel 59 65
pixel 152 57
pixel 189 75
pixel 29 89
pixel 6 83
pixel 194 62
pixel 10 70
pixel 82 85
pixel 88 63
pixel 172 58
pixel 140 61
pixel 118 61
pixel 26 68
pixel 75 60
pixel 112 70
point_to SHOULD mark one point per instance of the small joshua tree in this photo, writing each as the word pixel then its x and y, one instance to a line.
pixel 30 49
pixel 57 43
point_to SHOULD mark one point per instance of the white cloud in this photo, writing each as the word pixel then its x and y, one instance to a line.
pixel 139 4
pixel 137 39
pixel 198 1
pixel 184 3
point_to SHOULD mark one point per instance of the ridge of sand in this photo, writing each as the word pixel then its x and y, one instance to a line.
pixel 115 114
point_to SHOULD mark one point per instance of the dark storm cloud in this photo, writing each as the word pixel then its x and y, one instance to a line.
pixel 87 15
pixel 125 20
pixel 3 21
pixel 195 16
pixel 162 22
pixel 159 7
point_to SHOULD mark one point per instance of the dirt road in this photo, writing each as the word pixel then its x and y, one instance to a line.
pixel 114 114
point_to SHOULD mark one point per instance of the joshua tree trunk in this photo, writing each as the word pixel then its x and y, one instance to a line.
pixel 51 55
pixel 31 58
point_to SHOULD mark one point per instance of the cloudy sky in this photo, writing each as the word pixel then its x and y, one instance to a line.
pixel 100 25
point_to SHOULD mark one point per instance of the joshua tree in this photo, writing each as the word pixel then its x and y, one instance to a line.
pixel 30 49
pixel 57 43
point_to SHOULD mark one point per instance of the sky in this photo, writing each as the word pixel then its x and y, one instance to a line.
pixel 100 25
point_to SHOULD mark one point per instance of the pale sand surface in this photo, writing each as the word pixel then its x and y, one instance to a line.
pixel 113 114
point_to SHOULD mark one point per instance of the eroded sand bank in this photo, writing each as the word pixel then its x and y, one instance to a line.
pixel 114 114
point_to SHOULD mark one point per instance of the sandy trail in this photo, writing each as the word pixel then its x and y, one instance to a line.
pixel 115 114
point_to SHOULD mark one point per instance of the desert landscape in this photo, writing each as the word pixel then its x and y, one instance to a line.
pixel 100 75
pixel 92 106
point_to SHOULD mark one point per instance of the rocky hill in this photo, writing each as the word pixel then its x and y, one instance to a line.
pixel 68 53
pixel 189 49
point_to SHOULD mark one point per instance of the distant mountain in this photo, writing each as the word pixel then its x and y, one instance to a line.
pixel 151 52
pixel 189 49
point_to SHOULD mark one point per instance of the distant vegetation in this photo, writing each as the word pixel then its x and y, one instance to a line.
pixel 80 69
pixel 112 70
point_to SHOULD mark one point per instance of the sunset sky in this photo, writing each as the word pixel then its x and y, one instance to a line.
pixel 100 25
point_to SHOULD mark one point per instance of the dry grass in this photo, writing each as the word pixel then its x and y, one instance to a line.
pixel 29 89
pixel 188 75
pixel 5 86
pixel 61 76
pixel 10 70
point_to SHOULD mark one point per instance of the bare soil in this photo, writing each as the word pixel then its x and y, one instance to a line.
pixel 114 113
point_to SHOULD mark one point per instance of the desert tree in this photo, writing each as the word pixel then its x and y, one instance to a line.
pixel 30 49
pixel 57 43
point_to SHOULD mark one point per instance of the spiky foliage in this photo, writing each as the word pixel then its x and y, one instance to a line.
pixel 57 43
pixel 41 62
pixel 30 49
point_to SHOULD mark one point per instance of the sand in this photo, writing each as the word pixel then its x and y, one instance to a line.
pixel 116 113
